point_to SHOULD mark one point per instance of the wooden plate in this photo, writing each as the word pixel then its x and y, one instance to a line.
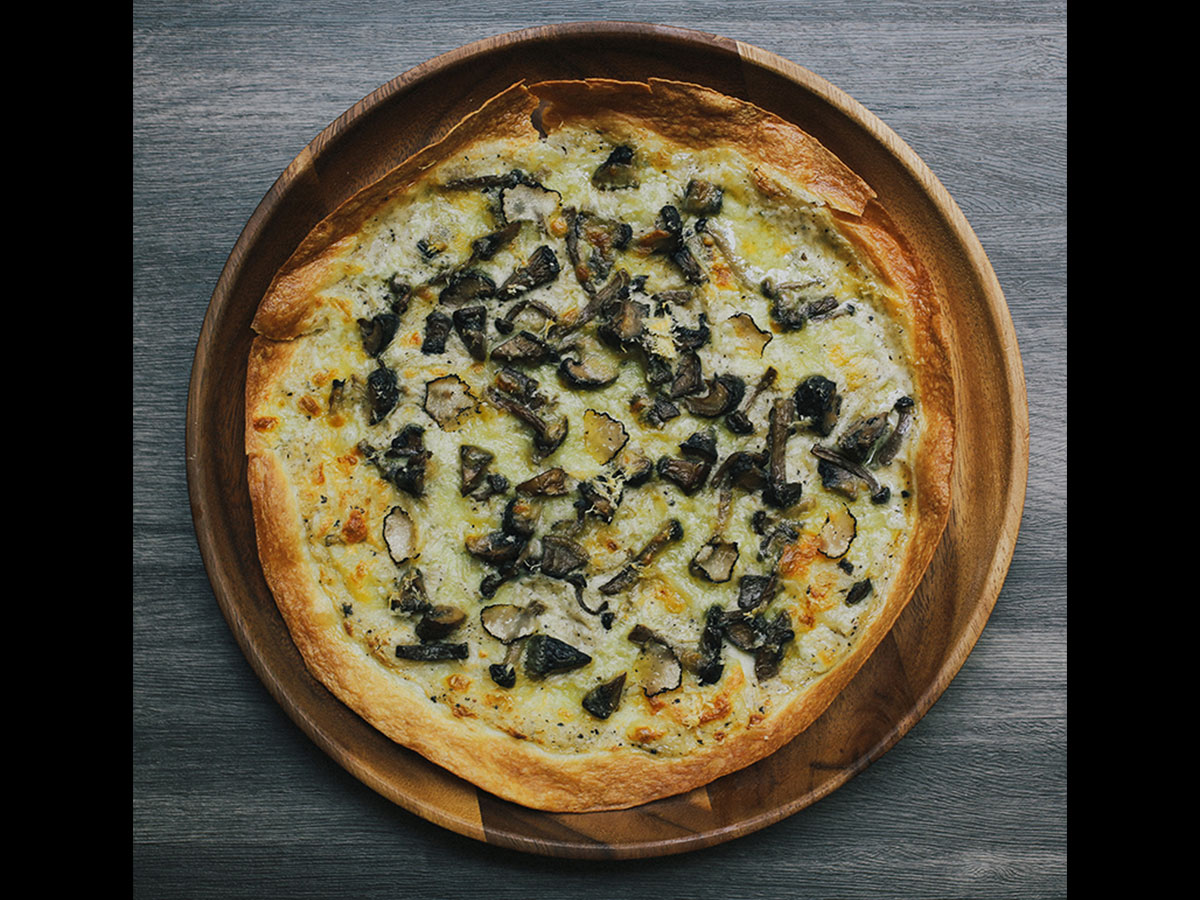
pixel 911 667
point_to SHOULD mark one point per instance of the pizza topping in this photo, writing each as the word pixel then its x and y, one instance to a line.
pixel 845 476
pixel 540 313
pixel 657 667
pixel 670 532
pixel 473 465
pixel 549 430
pixel 383 392
pixel 546 655
pixel 447 398
pixel 400 535
pixel 617 171
pixel 756 590
pixel 412 596
pixel 467 286
pixel 604 699
pixel 438 622
pixel 705 662
pixel 541 268
pixel 497 548
pixel 862 437
pixel 561 556
pixel 816 400
pixel 529 202
pixel 887 452
pixel 702 198
pixel 767 639
pixel 521 517
pixel 377 332
pixel 838 532
pixel 523 347
pixel 688 377
pixel 431 652
pixel 589 370
pixel 745 469
pixel 471 324
pixel 599 497
pixel 701 445
pixel 725 392
pixel 858 591
pixel 715 560
pixel 779 492
pixel 603 436
pixel 508 623
pixel 550 483
pixel 599 238
pixel 688 474
pixel 739 421
pixel 437 329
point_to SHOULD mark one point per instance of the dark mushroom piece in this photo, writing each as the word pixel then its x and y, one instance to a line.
pixel 490 244
pixel 591 372
pixel 623 323
pixel 438 326
pixel 432 652
pixel 539 269
pixel 843 475
pixel 817 401
pixel 447 398
pixel 858 591
pixel 887 452
pixel 739 421
pixel 397 294
pixel 383 392
pixel 497 548
pixel 599 497
pixel 756 590
pixel 604 699
pixel 615 290
pixel 438 622
pixel 467 286
pixel 550 483
pixel 411 596
pixel 377 332
pixel 600 238
pixel 471 324
pixel 777 634
pixel 703 198
pixel 779 492
pixel 473 465
pixel 745 469
pixel 618 170
pixel 546 655
pixel 507 324
pixel 725 393
pixel 490 182
pixel 520 517
pixel 687 338
pixel 715 560
pixel 707 663
pixel 659 412
pixel 862 437
pixel 548 432
pixel 701 445
pixel 524 348
pixel 688 378
pixel 688 474
pixel 561 556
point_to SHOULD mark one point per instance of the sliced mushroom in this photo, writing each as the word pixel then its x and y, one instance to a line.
pixel 590 369
pixel 550 483
pixel 603 436
pixel 858 591
pixel 438 326
pixel 862 437
pixel 377 332
pixel 715 560
pixel 447 398
pixel 756 590
pixel 618 171
pixel 725 392
pixel 886 453
pixel 383 392
pixel 707 664
pixel 523 347
pixel 411 596
pixel 432 652
pixel 668 533
pixel 400 535
pixel 561 556
pixel 438 622
pixel 508 623
pixel 599 497
pixel 521 516
pixel 747 332
pixel 599 238
pixel 471 324
pixel 615 290
pixel 490 244
pixel 845 476
pixel 701 445
pixel 624 322
pixel 543 312
pixel 545 655
pixel 539 269
pixel 703 198
pixel 657 668
pixel 745 469
pixel 688 474
pixel 604 699
pixel 497 548
pixel 473 465
pixel 467 286
pixel 688 378
pixel 838 532
pixel 549 431
pixel 779 492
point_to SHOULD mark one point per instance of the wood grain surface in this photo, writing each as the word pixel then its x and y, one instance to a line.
pixel 231 799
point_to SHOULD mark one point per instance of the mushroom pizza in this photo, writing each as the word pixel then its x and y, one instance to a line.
pixel 595 447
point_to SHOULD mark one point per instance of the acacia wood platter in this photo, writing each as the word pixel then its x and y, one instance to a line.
pixel 914 663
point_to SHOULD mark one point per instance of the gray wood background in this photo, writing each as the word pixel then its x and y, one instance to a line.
pixel 231 799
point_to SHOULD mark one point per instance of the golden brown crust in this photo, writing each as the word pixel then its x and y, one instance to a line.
pixel 514 769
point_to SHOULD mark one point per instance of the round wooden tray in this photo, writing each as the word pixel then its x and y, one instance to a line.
pixel 929 643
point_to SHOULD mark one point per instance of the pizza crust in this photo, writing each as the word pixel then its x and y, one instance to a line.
pixel 518 770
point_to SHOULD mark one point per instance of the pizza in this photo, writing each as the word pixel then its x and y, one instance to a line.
pixel 594 448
